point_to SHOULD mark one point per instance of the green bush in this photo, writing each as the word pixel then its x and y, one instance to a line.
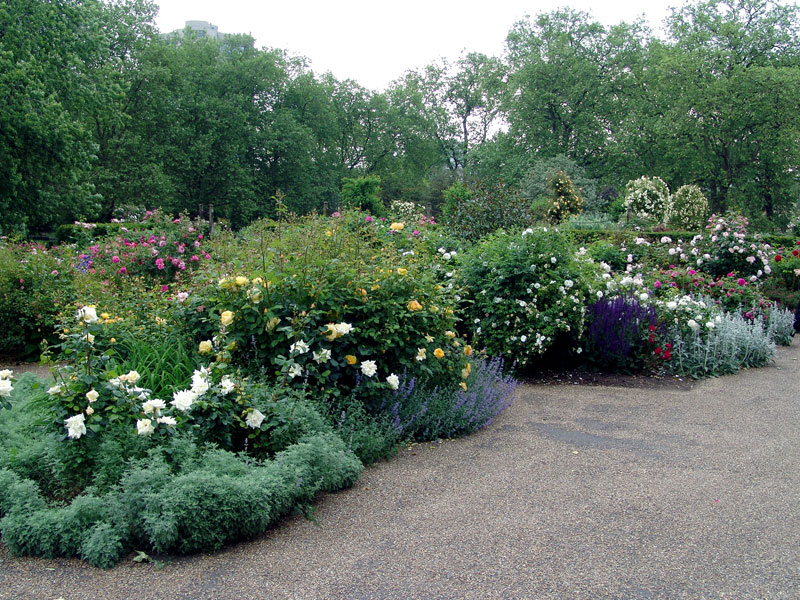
pixel 486 208
pixel 332 306
pixel 175 501
pixel 362 193
pixel 526 293
pixel 35 285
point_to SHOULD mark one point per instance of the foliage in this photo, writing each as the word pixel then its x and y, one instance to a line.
pixel 565 201
pixel 35 284
pixel 688 208
pixel 427 413
pixel 648 199
pixel 730 343
pixel 621 333
pixel 727 246
pixel 526 292
pixel 487 208
pixel 325 302
pixel 362 193
pixel 178 499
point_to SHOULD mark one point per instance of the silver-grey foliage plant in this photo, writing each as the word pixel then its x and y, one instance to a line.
pixel 733 343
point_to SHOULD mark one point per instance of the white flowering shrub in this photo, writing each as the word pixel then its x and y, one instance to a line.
pixel 647 198
pixel 406 211
pixel 687 208
pixel 526 294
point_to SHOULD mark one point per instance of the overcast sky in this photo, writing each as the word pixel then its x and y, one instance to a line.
pixel 374 42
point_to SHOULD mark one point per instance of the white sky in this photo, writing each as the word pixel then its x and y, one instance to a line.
pixel 374 42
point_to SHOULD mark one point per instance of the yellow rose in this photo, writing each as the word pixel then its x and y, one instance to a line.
pixel 438 353
pixel 450 334
pixel 463 386
pixel 466 371
pixel 402 271
pixel 225 283
pixel 105 316
pixel 332 332
pixel 468 350
pixel 329 233
pixel 226 318
pixel 258 281
pixel 414 305
pixel 271 324
pixel 205 347
pixel 397 226
pixel 351 360
pixel 241 280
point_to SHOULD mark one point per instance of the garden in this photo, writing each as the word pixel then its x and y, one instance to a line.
pixel 205 384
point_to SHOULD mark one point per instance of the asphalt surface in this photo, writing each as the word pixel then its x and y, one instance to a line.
pixel 574 492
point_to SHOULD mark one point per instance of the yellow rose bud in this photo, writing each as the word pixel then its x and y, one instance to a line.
pixel 205 347
pixel 463 386
pixel 438 353
pixel 329 233
pixel 271 324
pixel 241 280
pixel 450 334
pixel 351 360
pixel 468 350
pixel 113 340
pixel 105 316
pixel 225 283
pixel 402 271
pixel 226 318
pixel 414 305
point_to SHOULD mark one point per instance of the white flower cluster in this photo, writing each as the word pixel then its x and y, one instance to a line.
pixel 647 198
pixel 6 375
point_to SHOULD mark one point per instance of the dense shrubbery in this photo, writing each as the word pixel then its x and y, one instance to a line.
pixel 647 198
pixel 526 294
pixel 304 348
pixel 473 212
pixel 35 284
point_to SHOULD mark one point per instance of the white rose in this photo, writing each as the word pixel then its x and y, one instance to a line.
pixel 183 399
pixel 76 426
pixel 144 427
pixel 254 418
pixel 87 314
pixel 132 377
pixel 166 420
pixel 6 373
pixel 92 395
pixel 153 406
pixel 393 381
pixel 369 368
pixel 322 356
pixel 295 371
pixel 5 387
pixel 226 385
pixel 299 347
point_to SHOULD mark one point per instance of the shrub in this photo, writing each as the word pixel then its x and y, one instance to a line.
pixel 565 200
pixel 688 208
pixel 487 208
pixel 329 306
pixel 526 291
pixel 424 413
pixel 728 247
pixel 362 193
pixel 725 345
pixel 537 183
pixel 35 285
pixel 647 198
pixel 161 248
pixel 620 334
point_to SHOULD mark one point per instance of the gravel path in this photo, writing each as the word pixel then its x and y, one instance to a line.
pixel 575 492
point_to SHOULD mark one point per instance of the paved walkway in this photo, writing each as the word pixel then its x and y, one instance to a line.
pixel 575 492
